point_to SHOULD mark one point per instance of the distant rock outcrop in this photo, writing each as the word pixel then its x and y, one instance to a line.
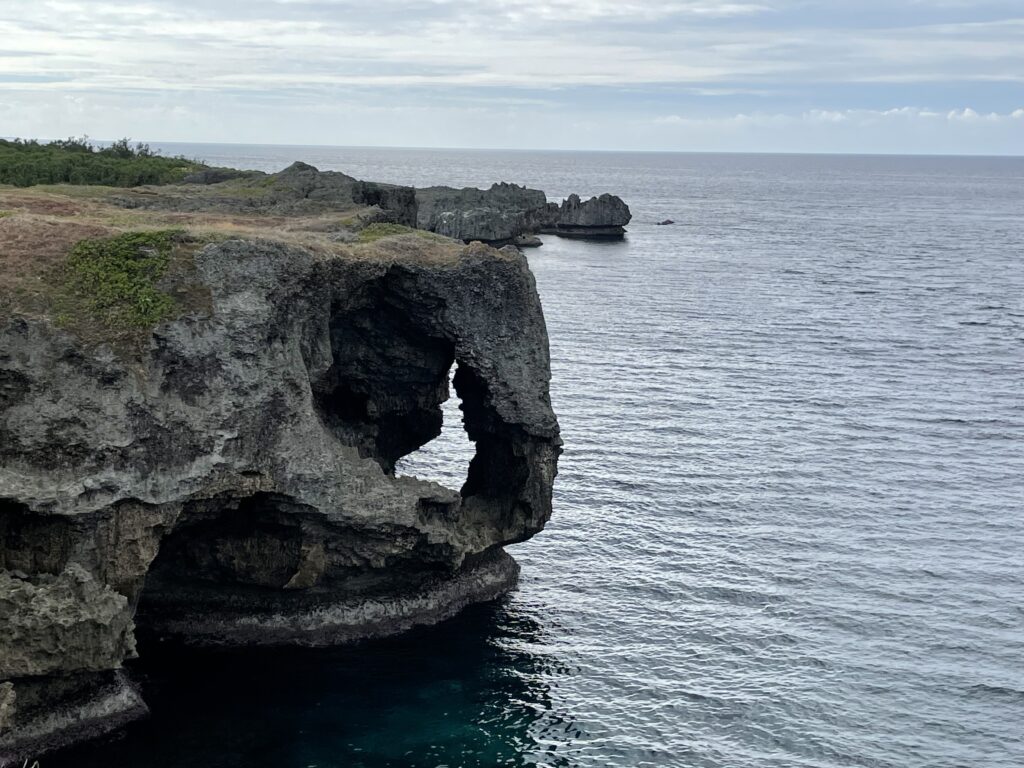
pixel 602 217
pixel 500 215
pixel 508 213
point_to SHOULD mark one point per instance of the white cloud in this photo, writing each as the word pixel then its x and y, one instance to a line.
pixel 852 116
pixel 127 44
pixel 774 63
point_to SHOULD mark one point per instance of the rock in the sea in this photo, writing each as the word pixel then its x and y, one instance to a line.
pixel 233 482
pixel 599 217
pixel 507 213
pixel 665 223
pixel 528 241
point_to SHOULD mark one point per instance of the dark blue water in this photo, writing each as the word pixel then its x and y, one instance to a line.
pixel 789 523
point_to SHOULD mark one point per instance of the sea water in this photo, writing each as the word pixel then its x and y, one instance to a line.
pixel 789 521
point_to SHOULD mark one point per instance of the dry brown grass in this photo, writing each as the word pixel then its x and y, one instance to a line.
pixel 40 225
pixel 32 250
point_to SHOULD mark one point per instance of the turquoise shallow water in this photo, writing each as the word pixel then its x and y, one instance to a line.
pixel 789 522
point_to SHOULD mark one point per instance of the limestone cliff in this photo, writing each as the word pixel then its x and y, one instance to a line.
pixel 230 478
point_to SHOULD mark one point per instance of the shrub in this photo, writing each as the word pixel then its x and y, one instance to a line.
pixel 115 279
pixel 374 232
pixel 77 161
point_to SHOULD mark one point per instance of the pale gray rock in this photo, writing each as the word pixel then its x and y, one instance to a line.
pixel 528 241
pixel 489 225
pixel 8 699
pixel 599 217
pixel 63 623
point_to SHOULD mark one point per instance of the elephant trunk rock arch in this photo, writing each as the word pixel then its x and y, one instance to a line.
pixel 233 484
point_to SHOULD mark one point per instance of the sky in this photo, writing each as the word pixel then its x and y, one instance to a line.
pixel 871 76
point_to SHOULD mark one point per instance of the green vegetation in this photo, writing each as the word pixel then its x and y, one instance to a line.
pixel 374 232
pixel 78 161
pixel 371 233
pixel 114 280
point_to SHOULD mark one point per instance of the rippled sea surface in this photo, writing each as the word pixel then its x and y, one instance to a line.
pixel 789 521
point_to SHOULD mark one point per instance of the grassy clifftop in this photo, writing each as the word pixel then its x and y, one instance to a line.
pixel 77 161
pixel 108 263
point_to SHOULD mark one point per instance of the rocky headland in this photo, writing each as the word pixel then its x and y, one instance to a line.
pixel 204 389
pixel 501 215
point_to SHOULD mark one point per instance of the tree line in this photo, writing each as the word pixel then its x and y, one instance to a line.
pixel 25 163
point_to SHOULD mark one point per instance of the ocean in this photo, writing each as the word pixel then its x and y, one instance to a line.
pixel 789 520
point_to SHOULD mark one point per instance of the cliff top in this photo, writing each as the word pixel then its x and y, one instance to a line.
pixel 74 253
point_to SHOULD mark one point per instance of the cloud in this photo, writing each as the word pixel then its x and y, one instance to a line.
pixel 850 116
pixel 586 62
pixel 553 43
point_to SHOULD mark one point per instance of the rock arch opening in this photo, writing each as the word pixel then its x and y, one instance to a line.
pixel 447 457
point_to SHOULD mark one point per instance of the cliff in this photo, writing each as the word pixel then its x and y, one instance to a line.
pixel 208 453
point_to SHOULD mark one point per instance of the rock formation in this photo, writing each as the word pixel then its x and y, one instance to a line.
pixel 230 480
pixel 599 217
pixel 497 215
pixel 507 213
pixel 501 215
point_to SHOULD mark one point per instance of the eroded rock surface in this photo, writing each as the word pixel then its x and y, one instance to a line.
pixel 507 213
pixel 234 482
pixel 604 216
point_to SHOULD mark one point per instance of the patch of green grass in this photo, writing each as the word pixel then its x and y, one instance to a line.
pixel 5 214
pixel 374 232
pixel 114 280
pixel 371 233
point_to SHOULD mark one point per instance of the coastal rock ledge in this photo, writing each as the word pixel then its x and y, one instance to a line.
pixel 231 481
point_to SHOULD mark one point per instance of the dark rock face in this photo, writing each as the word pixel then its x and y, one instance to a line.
pixel 507 213
pixel 497 215
pixel 235 484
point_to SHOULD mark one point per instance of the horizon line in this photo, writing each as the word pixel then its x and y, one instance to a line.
pixel 752 153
